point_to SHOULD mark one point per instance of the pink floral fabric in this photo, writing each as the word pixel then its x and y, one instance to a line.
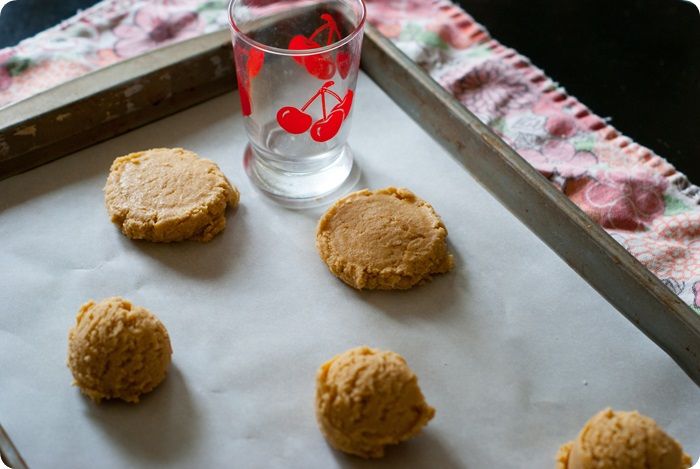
pixel 489 91
pixel 153 26
pixel 104 34
pixel 621 201
pixel 637 196
pixel 561 158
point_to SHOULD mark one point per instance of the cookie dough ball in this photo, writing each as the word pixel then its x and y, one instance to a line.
pixel 384 239
pixel 367 399
pixel 168 194
pixel 117 350
pixel 622 440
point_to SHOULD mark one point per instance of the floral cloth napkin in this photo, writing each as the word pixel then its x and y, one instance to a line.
pixel 637 196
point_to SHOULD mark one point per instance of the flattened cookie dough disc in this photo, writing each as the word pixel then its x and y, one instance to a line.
pixel 168 194
pixel 384 239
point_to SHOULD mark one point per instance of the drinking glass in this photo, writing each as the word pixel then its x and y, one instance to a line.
pixel 296 65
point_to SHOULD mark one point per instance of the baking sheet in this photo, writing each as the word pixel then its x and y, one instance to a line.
pixel 513 349
pixel 605 264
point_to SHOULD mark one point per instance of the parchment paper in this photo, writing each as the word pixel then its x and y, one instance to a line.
pixel 513 349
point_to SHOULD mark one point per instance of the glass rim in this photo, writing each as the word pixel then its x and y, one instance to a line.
pixel 297 52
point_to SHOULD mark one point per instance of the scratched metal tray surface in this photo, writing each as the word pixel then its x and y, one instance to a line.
pixel 127 95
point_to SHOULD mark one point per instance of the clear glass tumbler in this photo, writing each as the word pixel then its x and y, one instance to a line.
pixel 296 64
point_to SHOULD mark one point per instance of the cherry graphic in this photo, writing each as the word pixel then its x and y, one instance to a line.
pixel 245 99
pixel 253 60
pixel 293 120
pixel 300 42
pixel 344 60
pixel 345 104
pixel 330 22
pixel 321 66
pixel 256 57
pixel 296 121
pixel 326 128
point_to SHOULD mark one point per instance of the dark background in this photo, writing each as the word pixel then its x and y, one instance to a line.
pixel 636 61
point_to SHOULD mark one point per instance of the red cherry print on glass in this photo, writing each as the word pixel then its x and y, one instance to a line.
pixel 253 59
pixel 300 42
pixel 322 66
pixel 243 94
pixel 293 120
pixel 345 104
pixel 344 60
pixel 296 121
pixel 326 128
pixel 256 57
pixel 245 99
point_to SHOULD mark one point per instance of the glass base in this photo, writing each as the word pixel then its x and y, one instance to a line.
pixel 297 190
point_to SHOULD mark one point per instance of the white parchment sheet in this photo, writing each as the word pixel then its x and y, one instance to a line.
pixel 512 348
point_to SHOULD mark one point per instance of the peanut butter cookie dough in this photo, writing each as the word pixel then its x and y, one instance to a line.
pixel 384 239
pixel 117 350
pixel 367 399
pixel 614 439
pixel 168 194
